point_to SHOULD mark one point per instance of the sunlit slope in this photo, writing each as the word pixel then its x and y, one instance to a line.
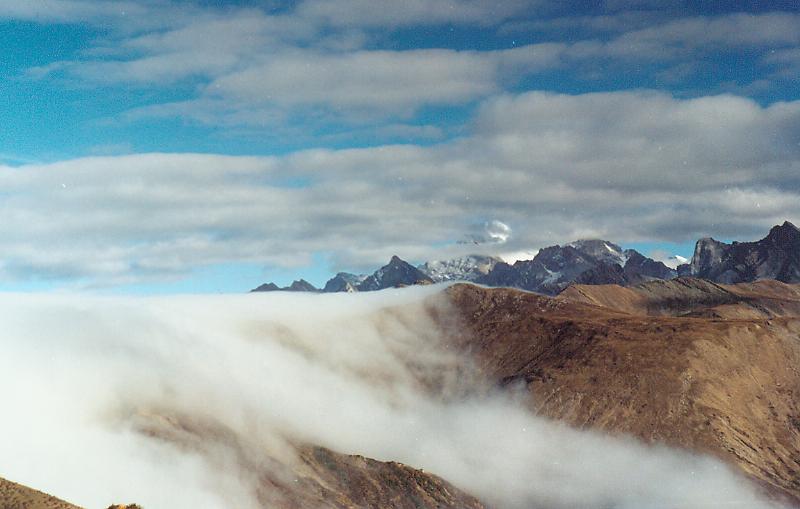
pixel 700 381
pixel 343 481
pixel 687 296
pixel 16 496
pixel 325 480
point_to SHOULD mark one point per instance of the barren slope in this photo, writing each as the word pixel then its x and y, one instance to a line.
pixel 687 296
pixel 725 387
pixel 324 479
pixel 343 481
pixel 310 477
pixel 16 496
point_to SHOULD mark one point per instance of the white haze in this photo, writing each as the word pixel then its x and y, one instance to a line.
pixel 86 377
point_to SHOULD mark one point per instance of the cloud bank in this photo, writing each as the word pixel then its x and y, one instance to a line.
pixel 113 399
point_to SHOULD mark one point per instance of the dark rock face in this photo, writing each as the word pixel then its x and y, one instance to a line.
pixel 586 261
pixel 603 274
pixel 343 282
pixel 395 274
pixel 777 256
pixel 640 267
pixel 267 287
pixel 300 285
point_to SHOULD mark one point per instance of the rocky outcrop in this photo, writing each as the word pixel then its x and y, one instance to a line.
pixel 343 282
pixel 395 274
pixel 776 256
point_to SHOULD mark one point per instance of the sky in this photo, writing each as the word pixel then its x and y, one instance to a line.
pixel 163 146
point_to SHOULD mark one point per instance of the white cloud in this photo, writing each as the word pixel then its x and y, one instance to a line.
pixel 491 232
pixel 387 13
pixel 331 60
pixel 623 166
pixel 516 256
pixel 67 10
pixel 385 81
pixel 785 62
pixel 125 399
pixel 730 30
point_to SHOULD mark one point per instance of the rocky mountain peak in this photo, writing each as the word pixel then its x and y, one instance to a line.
pixel 343 282
pixel 776 256
pixel 301 285
pixel 600 249
pixel 396 273
pixel 707 254
pixel 591 261
pixel 785 234
pixel 266 287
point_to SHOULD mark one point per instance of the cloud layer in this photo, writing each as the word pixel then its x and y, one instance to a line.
pixel 347 61
pixel 125 399
pixel 628 166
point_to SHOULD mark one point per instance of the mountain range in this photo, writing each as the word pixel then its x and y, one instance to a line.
pixel 592 262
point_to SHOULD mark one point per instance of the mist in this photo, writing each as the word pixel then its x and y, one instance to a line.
pixel 188 401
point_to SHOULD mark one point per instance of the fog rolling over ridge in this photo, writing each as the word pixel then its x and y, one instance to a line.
pixel 194 401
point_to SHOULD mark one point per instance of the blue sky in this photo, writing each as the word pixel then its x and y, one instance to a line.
pixel 157 146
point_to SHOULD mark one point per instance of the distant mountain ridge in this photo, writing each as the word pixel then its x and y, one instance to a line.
pixel 591 261
pixel 396 273
pixel 776 256
pixel 587 261
pixel 300 285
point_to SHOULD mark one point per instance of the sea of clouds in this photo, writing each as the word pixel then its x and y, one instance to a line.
pixel 190 401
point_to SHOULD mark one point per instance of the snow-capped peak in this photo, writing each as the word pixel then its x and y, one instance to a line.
pixel 467 268
pixel 602 250
pixel 674 261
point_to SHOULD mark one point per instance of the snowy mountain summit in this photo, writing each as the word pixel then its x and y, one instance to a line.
pixel 467 268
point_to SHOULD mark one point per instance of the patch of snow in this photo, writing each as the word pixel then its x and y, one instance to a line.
pixel 516 256
pixel 467 268
pixel 671 261
pixel 552 276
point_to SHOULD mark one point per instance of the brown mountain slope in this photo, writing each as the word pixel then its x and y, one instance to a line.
pixel 16 496
pixel 308 477
pixel 354 481
pixel 728 387
pixel 323 479
pixel 693 297
pixel 326 479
